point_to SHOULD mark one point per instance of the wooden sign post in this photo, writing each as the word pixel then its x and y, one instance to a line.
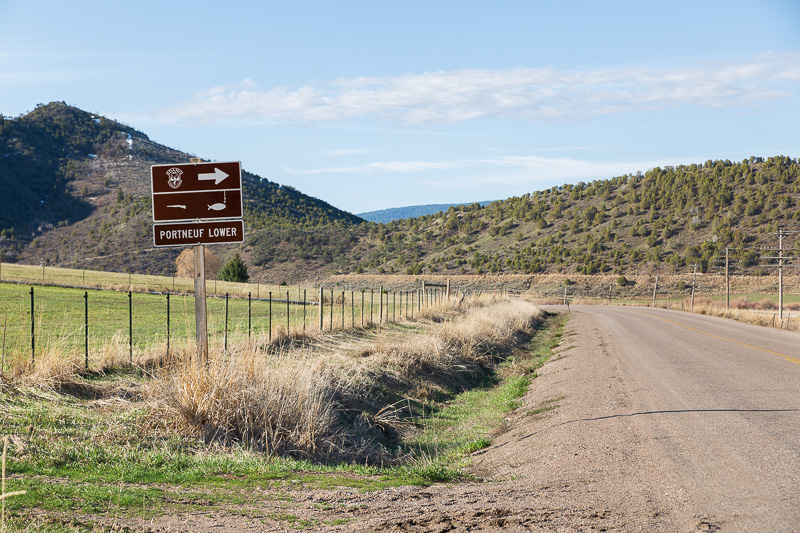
pixel 200 309
pixel 196 204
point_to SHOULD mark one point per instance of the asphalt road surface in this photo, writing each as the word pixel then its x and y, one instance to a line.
pixel 710 409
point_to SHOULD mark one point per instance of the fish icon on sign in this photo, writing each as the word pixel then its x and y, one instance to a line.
pixel 219 206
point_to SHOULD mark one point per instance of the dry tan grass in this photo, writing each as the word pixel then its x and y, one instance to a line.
pixel 491 321
pixel 49 371
pixel 57 365
pixel 338 394
pixel 273 402
pixel 758 313
pixel 323 395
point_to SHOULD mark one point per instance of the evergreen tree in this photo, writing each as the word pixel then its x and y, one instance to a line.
pixel 234 270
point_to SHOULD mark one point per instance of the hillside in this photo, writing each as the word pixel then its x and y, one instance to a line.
pixel 412 211
pixel 665 219
pixel 81 189
pixel 80 185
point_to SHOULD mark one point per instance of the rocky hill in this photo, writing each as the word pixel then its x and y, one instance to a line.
pixel 80 185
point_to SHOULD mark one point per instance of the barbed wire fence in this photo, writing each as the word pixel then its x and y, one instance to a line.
pixel 85 323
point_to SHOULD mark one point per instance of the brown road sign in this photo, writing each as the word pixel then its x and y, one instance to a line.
pixel 195 191
pixel 202 232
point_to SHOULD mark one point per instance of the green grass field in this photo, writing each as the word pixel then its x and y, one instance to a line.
pixel 45 275
pixel 141 323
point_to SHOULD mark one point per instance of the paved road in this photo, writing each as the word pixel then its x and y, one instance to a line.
pixel 722 400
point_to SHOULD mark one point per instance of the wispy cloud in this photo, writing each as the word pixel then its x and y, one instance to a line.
pixel 536 94
pixel 507 170
pixel 346 151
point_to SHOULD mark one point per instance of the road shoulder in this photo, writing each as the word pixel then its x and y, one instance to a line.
pixel 574 447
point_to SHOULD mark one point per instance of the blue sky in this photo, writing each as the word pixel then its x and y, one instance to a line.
pixel 371 105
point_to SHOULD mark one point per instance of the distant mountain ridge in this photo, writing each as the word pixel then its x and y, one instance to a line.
pixel 413 211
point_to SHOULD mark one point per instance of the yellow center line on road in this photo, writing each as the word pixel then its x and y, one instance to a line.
pixel 690 328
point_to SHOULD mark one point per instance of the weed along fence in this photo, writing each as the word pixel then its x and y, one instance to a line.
pixel 97 326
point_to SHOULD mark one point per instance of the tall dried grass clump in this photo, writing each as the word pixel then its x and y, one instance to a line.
pixel 58 366
pixel 492 325
pixel 487 327
pixel 337 395
pixel 50 371
pixel 278 404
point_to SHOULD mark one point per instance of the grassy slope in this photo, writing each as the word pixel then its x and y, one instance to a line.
pixel 663 220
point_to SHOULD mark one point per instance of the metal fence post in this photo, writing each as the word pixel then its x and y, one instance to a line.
pixel 249 312
pixel 33 332
pixel 287 314
pixel 321 299
pixel 331 309
pixel 167 324
pixel 225 342
pixel 86 327
pixel 130 324
pixel 270 316
pixel 304 311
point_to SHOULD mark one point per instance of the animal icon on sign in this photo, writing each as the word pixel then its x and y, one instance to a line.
pixel 174 177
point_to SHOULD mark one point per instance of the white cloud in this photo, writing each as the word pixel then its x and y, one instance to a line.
pixel 537 94
pixel 506 170
pixel 346 151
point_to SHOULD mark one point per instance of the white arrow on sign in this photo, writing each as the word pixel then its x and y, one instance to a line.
pixel 217 176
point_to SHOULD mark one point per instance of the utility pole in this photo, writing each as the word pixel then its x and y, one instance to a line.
pixel 727 280
pixel 781 258
pixel 655 290
pixel 780 275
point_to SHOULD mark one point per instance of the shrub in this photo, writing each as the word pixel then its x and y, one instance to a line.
pixel 234 270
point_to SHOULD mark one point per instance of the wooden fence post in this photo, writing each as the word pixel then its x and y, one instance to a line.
pixel 380 306
pixel 320 307
pixel 200 310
